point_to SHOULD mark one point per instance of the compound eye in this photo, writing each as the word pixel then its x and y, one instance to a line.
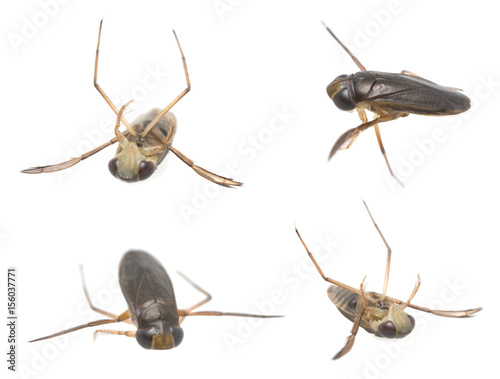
pixel 342 77
pixel 412 321
pixel 113 166
pixel 178 335
pixel 145 337
pixel 146 169
pixel 387 330
pixel 343 101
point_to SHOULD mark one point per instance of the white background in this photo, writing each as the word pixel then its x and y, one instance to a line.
pixel 247 62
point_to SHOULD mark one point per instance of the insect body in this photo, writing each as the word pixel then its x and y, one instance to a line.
pixel 382 318
pixel 152 307
pixel 145 143
pixel 377 313
pixel 137 157
pixel 389 96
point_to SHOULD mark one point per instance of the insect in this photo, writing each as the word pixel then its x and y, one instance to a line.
pixel 388 96
pixel 151 303
pixel 376 313
pixel 145 143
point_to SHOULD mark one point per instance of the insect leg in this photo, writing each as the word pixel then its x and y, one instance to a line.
pixel 98 87
pixel 413 293
pixel 389 253
pixel 68 163
pixel 217 179
pixel 208 297
pixel 350 136
pixel 355 135
pixel 119 119
pixel 189 311
pixel 458 314
pixel 329 280
pixel 125 315
pixel 360 310
pixel 180 96
pixel 358 63
pixel 94 308
pixel 382 149
pixel 183 313
pixel 110 331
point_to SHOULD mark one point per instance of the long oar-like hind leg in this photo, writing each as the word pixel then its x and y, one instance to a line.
pixel 124 316
pixel 457 314
pixel 68 163
pixel 217 179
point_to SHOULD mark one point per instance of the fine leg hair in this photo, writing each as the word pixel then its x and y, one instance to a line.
pixel 358 63
pixel 189 311
pixel 217 179
pixel 382 150
pixel 122 317
pixel 389 253
pixel 360 310
pixel 350 136
pixel 180 96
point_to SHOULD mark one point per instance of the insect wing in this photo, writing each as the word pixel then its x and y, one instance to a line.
pixel 144 281
pixel 408 94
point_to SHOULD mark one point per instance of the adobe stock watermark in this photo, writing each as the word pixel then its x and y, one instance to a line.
pixel 32 25
pixel 152 79
pixel 3 237
pixel 378 21
pixel 248 150
pixel 292 280
pixel 223 8
pixel 44 353
pixel 376 366
pixel 425 148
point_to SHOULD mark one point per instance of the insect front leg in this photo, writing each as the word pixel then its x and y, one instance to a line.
pixel 350 136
